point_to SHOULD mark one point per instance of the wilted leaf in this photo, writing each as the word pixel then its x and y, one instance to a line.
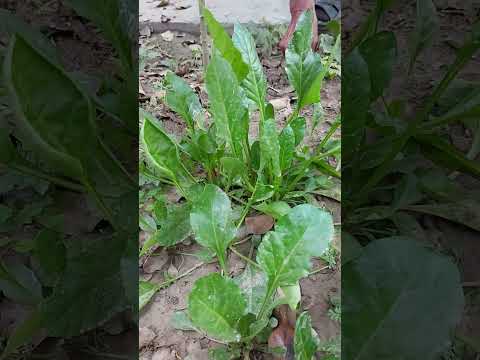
pixel 259 224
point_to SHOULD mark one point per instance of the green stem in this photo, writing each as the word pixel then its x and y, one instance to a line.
pixel 330 132
pixel 243 257
pixel 53 179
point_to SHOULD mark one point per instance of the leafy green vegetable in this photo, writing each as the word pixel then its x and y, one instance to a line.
pixel 211 221
pixel 225 45
pixel 182 99
pixel 306 342
pixel 304 67
pixel 255 83
pixel 146 290
pixel 386 275
pixel 216 305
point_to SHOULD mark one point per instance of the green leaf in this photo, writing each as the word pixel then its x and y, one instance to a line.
pixel 292 295
pixel 287 147
pixel 276 209
pixel 356 90
pixel 225 45
pixel 175 229
pixel 226 104
pixel 233 167
pixel 270 147
pixel 163 152
pixel 80 303
pixel 253 284
pixel 146 290
pixel 306 342
pixel 285 254
pixel 463 212
pixel 23 333
pixel 19 283
pixel 298 126
pixel 425 29
pixel 380 54
pixel 115 19
pixel 211 221
pixel 444 154
pixel 65 145
pixel 5 213
pixel 255 83
pixel 50 251
pixel 224 353
pixel 387 295
pixel 216 306
pixel 183 100
pixel 7 150
pixel 181 321
pixel 467 109
pixel 303 66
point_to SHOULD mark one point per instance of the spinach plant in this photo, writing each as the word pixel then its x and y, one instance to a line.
pixel 397 165
pixel 57 129
pixel 218 148
pixel 232 311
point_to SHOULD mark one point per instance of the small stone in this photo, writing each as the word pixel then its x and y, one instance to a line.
pixel 167 35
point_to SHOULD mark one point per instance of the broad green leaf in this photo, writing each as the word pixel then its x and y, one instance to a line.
pixel 11 24
pixel 287 147
pixel 23 333
pixel 270 148
pixel 183 100
pixel 5 213
pixel 463 212
pixel 226 105
pixel 160 211
pixel 253 284
pixel 306 342
pixel 50 251
pixel 163 152
pixel 263 192
pixel 298 126
pixel 426 27
pixel 285 254
pixel 175 229
pixel 467 109
pixel 356 90
pixel 211 221
pixel 19 283
pixel 216 305
pixel 233 167
pixel 276 209
pixel 225 45
pixel 80 303
pixel 181 321
pixel 351 248
pixel 255 83
pixel 380 54
pixel 115 19
pixel 303 66
pixel 146 290
pixel 224 353
pixel 408 226
pixel 65 145
pixel 385 296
